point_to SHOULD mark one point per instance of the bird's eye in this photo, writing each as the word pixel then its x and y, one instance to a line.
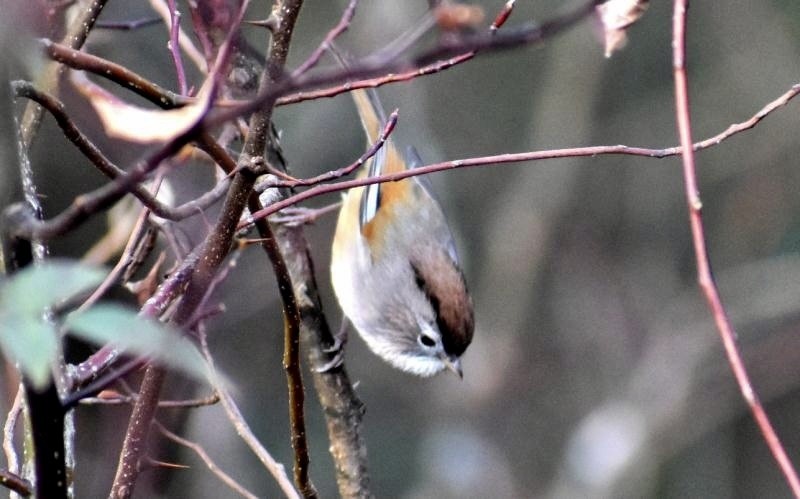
pixel 426 341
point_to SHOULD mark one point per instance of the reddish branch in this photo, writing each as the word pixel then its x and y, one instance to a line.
pixel 374 67
pixel 208 257
pixel 175 46
pixel 276 86
pixel 705 276
pixel 527 156
pixel 258 145
pixel 388 127
pixel 435 67
pixel 340 28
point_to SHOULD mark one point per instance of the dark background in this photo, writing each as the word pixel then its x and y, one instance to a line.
pixel 596 370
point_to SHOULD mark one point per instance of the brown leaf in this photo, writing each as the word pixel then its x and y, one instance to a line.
pixel 136 124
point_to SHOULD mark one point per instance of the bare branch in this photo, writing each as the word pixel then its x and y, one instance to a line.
pixel 121 75
pixel 109 169
pixel 163 404
pixel 372 68
pixel 391 122
pixel 257 144
pixel 203 455
pixel 337 30
pixel 185 41
pixel 243 430
pixel 705 276
pixel 76 35
pixel 8 432
pixel 127 25
pixel 432 68
pixel 15 483
pixel 174 45
pixel 525 156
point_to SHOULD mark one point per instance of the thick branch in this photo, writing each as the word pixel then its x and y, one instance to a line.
pixel 15 483
pixel 47 423
pixel 45 412
pixel 255 149
pixel 211 255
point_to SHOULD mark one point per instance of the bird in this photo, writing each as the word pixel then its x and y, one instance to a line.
pixel 394 266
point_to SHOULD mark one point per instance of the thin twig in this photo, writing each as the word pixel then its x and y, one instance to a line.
pixel 389 126
pixel 76 35
pixel 203 455
pixel 372 68
pixel 174 45
pixel 127 25
pixel 185 41
pixel 275 468
pixel 525 156
pixel 77 59
pixel 432 68
pixel 140 230
pixel 302 216
pixel 101 383
pixel 207 259
pixel 8 432
pixel 374 82
pixel 163 404
pixel 705 276
pixel 109 169
pixel 341 27
pixel 137 432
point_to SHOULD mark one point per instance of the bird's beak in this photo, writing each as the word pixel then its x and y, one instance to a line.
pixel 453 365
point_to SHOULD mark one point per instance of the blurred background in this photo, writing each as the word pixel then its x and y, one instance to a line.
pixel 596 370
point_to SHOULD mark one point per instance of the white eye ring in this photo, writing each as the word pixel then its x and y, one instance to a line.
pixel 426 340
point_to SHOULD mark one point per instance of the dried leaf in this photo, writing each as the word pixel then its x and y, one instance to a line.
pixel 136 124
pixel 454 16
pixel 616 16
pixel 109 394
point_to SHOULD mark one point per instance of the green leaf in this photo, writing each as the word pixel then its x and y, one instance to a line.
pixel 25 335
pixel 30 291
pixel 120 326
pixel 32 344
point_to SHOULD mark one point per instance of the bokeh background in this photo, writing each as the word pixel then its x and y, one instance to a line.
pixel 596 370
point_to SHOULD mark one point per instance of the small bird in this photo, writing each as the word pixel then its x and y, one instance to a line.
pixel 394 265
